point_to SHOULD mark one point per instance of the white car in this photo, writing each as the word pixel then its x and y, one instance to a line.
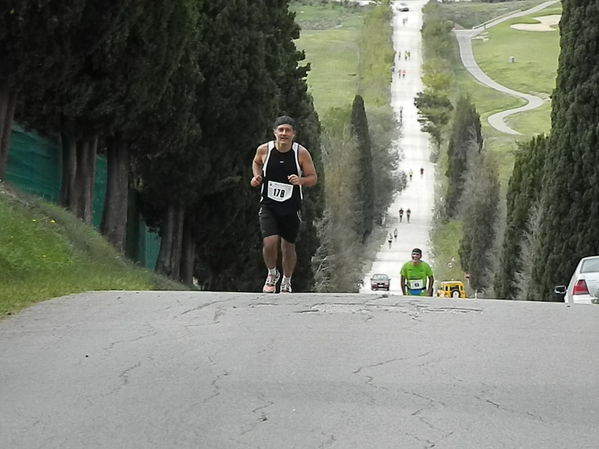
pixel 584 284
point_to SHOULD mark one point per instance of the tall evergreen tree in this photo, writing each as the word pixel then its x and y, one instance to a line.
pixel 480 219
pixel 337 265
pixel 464 144
pixel 569 207
pixel 434 112
pixel 522 199
pixel 167 151
pixel 36 51
pixel 86 100
pixel 238 104
pixel 365 186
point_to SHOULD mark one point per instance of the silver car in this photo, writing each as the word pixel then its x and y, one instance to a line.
pixel 584 284
pixel 380 281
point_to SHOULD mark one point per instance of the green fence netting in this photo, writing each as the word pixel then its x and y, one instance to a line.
pixel 34 166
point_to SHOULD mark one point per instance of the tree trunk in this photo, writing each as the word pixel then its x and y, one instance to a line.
pixel 169 258
pixel 187 253
pixel 84 179
pixel 166 243
pixel 69 171
pixel 75 200
pixel 8 102
pixel 91 180
pixel 177 241
pixel 114 218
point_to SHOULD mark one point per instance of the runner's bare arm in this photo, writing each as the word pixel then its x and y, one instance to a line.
pixel 257 164
pixel 431 282
pixel 309 177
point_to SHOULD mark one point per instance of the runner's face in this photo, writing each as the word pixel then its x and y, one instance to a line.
pixel 416 257
pixel 284 134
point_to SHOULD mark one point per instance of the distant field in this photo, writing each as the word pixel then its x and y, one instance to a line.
pixel 534 71
pixel 329 38
pixel 470 14
pixel 535 53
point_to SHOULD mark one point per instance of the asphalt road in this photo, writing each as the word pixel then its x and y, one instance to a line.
pixel 232 370
pixel 419 196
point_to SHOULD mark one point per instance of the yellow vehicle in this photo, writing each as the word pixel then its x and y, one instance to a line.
pixel 451 289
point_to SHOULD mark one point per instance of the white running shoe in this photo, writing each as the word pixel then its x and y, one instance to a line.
pixel 271 282
pixel 286 286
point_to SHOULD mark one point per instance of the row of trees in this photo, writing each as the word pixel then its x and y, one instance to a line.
pixel 434 103
pixel 177 94
pixel 557 175
pixel 551 216
pixel 470 203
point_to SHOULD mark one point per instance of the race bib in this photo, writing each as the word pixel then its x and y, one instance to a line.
pixel 278 191
pixel 415 284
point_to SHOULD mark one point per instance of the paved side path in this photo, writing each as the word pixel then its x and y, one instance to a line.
pixel 464 38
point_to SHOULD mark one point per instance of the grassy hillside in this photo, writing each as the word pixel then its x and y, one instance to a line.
pixel 46 252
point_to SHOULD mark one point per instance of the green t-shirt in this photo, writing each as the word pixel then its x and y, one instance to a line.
pixel 416 276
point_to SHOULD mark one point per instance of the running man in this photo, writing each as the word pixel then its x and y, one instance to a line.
pixel 281 167
pixel 415 275
pixel 408 213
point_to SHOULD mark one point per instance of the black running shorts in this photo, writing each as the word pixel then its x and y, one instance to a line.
pixel 287 226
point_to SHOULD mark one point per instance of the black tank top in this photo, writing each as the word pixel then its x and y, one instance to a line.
pixel 278 193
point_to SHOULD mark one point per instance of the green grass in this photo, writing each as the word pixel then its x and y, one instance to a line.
pixel 46 252
pixel 333 78
pixel 535 54
pixel 330 39
pixel 312 15
pixel 533 72
pixel 470 14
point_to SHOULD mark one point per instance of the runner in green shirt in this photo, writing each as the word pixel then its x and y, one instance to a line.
pixel 414 276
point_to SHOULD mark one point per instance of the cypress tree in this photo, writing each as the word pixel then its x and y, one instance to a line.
pixel 465 142
pixel 35 51
pixel 365 186
pixel 524 189
pixel 434 109
pixel 569 226
pixel 480 218
pixel 239 95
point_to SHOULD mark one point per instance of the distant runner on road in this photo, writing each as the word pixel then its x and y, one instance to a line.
pixel 414 276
